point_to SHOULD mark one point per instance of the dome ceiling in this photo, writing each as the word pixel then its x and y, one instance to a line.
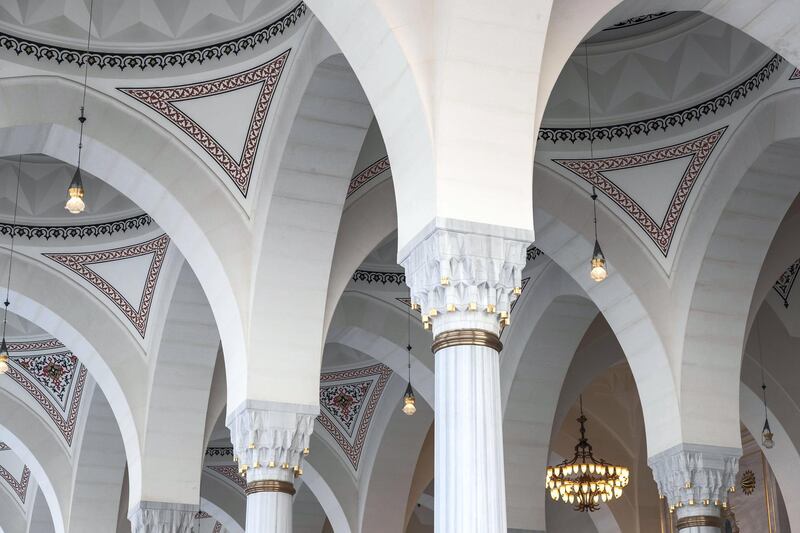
pixel 136 25
pixel 654 67
pixel 43 192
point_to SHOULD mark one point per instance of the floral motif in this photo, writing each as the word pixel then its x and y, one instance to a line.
pixel 101 229
pixel 54 371
pixel 697 150
pixel 163 99
pixel 348 400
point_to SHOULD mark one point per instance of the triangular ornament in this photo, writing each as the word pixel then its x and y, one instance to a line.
pixel 696 153
pixel 167 101
pixel 138 312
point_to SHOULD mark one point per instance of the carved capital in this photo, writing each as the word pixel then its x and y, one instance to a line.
pixel 465 280
pixel 270 443
pixel 149 517
pixel 692 474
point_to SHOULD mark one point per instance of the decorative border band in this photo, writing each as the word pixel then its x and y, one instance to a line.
pixel 162 60
pixel 102 229
pixel 270 485
pixel 662 123
pixel 635 21
pixel 699 521
pixel 466 337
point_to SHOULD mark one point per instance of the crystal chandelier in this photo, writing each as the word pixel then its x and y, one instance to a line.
pixel 584 481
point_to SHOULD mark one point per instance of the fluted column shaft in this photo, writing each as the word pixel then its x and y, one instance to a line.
pixel 695 479
pixel 464 284
pixel 269 444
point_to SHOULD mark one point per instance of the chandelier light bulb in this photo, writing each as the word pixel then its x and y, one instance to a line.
pixel 75 204
pixel 599 271
pixel 3 357
pixel 409 401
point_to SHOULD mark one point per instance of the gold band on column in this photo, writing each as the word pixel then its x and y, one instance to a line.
pixel 269 485
pixel 699 521
pixel 466 337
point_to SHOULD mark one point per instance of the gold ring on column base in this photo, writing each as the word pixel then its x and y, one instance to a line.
pixel 269 485
pixel 699 521
pixel 466 337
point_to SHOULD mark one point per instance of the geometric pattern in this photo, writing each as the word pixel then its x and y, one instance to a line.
pixel 641 19
pixel 154 60
pixel 362 178
pixel 79 263
pixel 785 283
pixel 795 74
pixel 35 346
pixel 62 378
pixel 19 487
pixel 661 233
pixel 4 447
pixel 80 231
pixel 231 473
pixel 348 399
pixel 163 99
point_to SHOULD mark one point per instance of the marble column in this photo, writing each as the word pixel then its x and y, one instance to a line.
pixel 695 480
pixel 464 283
pixel 157 517
pixel 269 443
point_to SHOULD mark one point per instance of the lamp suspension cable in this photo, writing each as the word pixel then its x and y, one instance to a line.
pixel 767 439
pixel 409 400
pixel 7 301
pixel 75 192
pixel 598 271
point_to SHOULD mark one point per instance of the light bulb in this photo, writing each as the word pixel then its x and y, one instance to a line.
pixel 75 203
pixel 599 271
pixel 3 365
pixel 767 440
pixel 409 401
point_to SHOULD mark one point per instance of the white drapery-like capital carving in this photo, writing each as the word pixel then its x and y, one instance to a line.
pixel 270 443
pixel 154 517
pixel 466 274
pixel 691 474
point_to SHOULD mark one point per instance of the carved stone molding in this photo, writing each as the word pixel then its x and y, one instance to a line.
pixel 695 474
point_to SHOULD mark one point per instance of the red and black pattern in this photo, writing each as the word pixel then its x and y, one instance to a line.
pixel 54 371
pixel 162 100
pixel 362 178
pixel 785 283
pixel 34 346
pixel 698 150
pixel 795 74
pixel 378 375
pixel 65 424
pixel 231 473
pixel 78 263
pixel 19 487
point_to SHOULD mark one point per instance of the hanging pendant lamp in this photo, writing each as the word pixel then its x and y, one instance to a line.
pixel 598 270
pixel 409 400
pixel 4 355
pixel 767 437
pixel 75 192
pixel 583 481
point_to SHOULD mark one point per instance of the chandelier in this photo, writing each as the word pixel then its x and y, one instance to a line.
pixel 584 481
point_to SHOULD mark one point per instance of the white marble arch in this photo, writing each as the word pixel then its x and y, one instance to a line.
pixel 41 521
pixel 750 188
pixel 34 442
pixel 120 371
pixel 327 498
pixel 554 317
pixel 302 204
pixel 156 171
pixel 459 141
pixel 231 525
pixel 179 380
pixel 12 516
pixel 99 469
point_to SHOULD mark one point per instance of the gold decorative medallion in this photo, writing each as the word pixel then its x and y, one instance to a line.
pixel 748 482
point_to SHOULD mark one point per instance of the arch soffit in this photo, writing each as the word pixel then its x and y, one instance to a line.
pixel 157 172
pixel 751 200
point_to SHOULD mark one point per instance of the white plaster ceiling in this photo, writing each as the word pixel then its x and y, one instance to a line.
pixel 136 25
pixel 667 65
pixel 43 191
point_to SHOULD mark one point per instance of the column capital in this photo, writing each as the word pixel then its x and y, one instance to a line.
pixel 695 474
pixel 270 440
pixel 465 280
pixel 159 517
